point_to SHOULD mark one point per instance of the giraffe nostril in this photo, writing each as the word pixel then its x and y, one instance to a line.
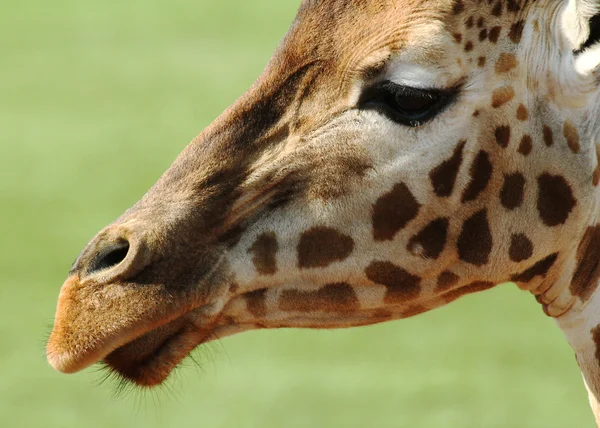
pixel 115 254
pixel 110 257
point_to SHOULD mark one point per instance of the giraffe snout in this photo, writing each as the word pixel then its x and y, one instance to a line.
pixel 126 302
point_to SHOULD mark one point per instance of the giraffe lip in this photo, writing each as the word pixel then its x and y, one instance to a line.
pixel 140 340
pixel 74 344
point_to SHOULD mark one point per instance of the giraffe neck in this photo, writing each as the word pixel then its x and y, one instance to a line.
pixel 582 330
pixel 580 322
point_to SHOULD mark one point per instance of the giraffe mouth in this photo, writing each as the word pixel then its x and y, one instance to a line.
pixel 149 359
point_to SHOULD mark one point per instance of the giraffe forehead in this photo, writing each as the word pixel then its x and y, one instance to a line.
pixel 355 35
pixel 406 41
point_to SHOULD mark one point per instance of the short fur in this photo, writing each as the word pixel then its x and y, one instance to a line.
pixel 299 207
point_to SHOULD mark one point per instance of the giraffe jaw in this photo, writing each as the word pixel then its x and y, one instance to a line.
pixel 149 359
pixel 165 348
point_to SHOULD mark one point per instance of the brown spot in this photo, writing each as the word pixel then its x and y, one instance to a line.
pixel 596 337
pixel 506 62
pixel 468 46
pixel 338 297
pixel 512 6
pixel 401 285
pixel 596 176
pixel 481 173
pixel 572 136
pixel 321 246
pixel 443 177
pixel 502 95
pixel 231 237
pixel 555 199
pixel 256 302
pixel 521 248
pixel 541 268
pixel 457 37
pixel 516 31
pixel 497 9
pixel 494 34
pixel 480 22
pixel 526 145
pixel 586 276
pixel 393 211
pixel 483 35
pixel 522 113
pixel 536 25
pixel 233 288
pixel 481 61
pixel 264 252
pixel 476 113
pixel 475 240
pixel 474 287
pixel 548 138
pixel 470 22
pixel 502 134
pixel 430 242
pixel 446 280
pixel 458 7
pixel 512 191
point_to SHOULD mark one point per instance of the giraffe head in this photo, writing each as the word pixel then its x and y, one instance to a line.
pixel 394 156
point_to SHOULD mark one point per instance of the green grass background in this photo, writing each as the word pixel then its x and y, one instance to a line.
pixel 96 99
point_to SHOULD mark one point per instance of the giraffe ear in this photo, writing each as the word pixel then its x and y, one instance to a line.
pixel 581 29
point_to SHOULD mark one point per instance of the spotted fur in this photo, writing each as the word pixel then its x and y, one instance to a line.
pixel 313 203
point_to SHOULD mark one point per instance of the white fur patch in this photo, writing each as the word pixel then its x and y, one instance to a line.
pixel 588 61
pixel 575 21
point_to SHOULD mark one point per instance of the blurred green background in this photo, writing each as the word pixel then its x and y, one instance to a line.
pixel 96 100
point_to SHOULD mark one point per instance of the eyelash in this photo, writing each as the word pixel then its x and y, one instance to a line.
pixel 393 101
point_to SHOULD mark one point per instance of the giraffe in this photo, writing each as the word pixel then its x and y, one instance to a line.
pixel 394 156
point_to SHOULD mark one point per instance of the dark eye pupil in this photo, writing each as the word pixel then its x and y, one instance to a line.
pixel 413 105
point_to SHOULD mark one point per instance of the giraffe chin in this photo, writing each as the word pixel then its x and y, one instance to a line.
pixel 148 360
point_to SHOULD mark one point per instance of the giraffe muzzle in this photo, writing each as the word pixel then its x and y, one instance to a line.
pixel 113 308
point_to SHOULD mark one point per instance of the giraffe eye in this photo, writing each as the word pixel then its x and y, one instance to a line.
pixel 406 105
